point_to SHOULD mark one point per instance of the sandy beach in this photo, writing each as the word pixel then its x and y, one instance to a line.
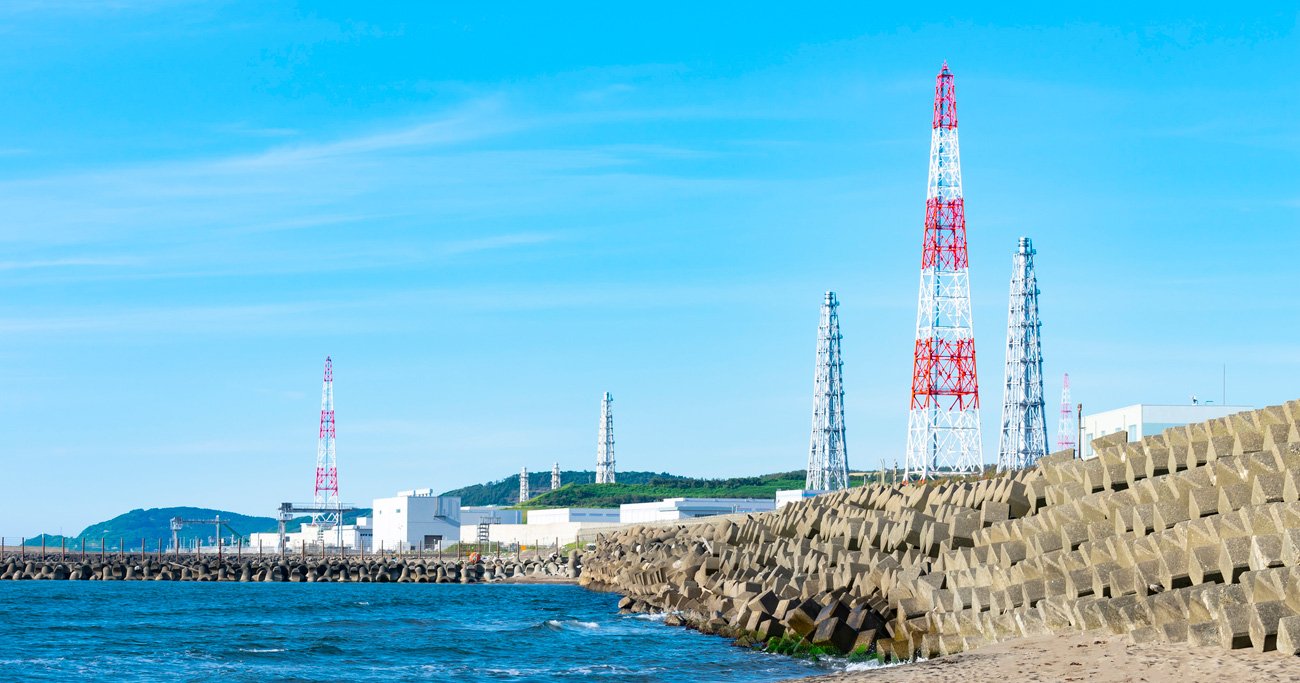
pixel 1090 657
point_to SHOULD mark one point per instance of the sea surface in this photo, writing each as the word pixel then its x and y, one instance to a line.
pixel 147 631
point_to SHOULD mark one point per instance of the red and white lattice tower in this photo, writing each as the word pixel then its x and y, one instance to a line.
pixel 943 432
pixel 1065 432
pixel 327 473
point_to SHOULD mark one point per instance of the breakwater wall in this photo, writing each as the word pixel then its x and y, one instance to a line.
pixel 1192 535
pixel 290 569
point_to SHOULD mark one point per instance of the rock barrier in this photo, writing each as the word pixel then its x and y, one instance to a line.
pixel 288 569
pixel 1192 535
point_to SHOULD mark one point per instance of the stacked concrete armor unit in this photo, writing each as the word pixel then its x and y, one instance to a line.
pixel 1191 536
pixel 292 569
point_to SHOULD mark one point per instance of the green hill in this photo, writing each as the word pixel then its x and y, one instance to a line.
pixel 154 524
pixel 613 495
pixel 506 491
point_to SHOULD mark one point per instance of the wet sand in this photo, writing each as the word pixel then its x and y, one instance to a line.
pixel 1088 658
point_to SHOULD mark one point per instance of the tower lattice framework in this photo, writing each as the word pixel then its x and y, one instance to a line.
pixel 327 472
pixel 1024 417
pixel 605 443
pixel 943 434
pixel 1066 428
pixel 555 477
pixel 828 466
pixel 523 485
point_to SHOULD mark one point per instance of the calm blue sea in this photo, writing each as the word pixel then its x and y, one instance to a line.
pixel 55 630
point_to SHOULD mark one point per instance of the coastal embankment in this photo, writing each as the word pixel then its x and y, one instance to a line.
pixel 552 569
pixel 1191 536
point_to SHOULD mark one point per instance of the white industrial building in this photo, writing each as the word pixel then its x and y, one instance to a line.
pixel 473 515
pixel 1143 420
pixel 415 520
pixel 572 515
pixel 688 508
pixel 795 495
pixel 350 536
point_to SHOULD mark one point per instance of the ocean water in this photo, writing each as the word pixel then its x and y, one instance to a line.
pixel 146 631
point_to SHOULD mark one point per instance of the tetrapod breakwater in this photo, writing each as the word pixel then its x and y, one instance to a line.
pixel 374 569
pixel 1189 536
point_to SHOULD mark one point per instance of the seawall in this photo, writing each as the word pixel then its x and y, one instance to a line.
pixel 289 569
pixel 1190 536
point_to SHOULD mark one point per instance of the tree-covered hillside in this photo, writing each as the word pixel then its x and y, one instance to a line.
pixel 613 495
pixel 506 491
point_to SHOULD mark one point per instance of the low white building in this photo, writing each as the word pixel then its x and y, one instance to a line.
pixel 571 515
pixel 795 495
pixel 688 508
pixel 415 520
pixel 473 515
pixel 350 536
pixel 1146 420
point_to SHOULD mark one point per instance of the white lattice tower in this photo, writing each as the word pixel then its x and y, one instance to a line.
pixel 828 466
pixel 1066 429
pixel 943 434
pixel 555 477
pixel 1023 438
pixel 523 485
pixel 327 473
pixel 605 442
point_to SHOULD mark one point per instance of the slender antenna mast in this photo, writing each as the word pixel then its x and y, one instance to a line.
pixel 555 477
pixel 523 485
pixel 327 473
pixel 828 467
pixel 943 429
pixel 1024 418
pixel 1065 432
pixel 605 445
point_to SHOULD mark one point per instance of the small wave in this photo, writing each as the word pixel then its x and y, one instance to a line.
pixel 362 603
pixel 325 648
pixel 658 616
pixel 259 650
pixel 570 623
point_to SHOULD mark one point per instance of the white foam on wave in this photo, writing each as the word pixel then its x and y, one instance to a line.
pixel 257 650
pixel 660 616
pixel 573 623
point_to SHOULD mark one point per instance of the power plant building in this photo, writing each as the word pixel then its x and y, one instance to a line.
pixel 415 520
pixel 1143 420
pixel 689 508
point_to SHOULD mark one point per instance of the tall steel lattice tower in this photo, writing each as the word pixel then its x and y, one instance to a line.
pixel 828 466
pixel 1066 428
pixel 327 473
pixel 1024 416
pixel 605 446
pixel 943 430
pixel 523 485
pixel 555 477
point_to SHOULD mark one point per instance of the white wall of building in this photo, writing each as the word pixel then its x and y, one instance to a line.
pixel 795 495
pixel 472 515
pixel 687 508
pixel 352 536
pixel 570 515
pixel 414 520
pixel 1143 420
pixel 535 534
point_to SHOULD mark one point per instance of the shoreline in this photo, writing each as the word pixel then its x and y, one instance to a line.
pixel 1090 656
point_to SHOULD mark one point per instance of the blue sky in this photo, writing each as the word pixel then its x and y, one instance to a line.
pixel 490 216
